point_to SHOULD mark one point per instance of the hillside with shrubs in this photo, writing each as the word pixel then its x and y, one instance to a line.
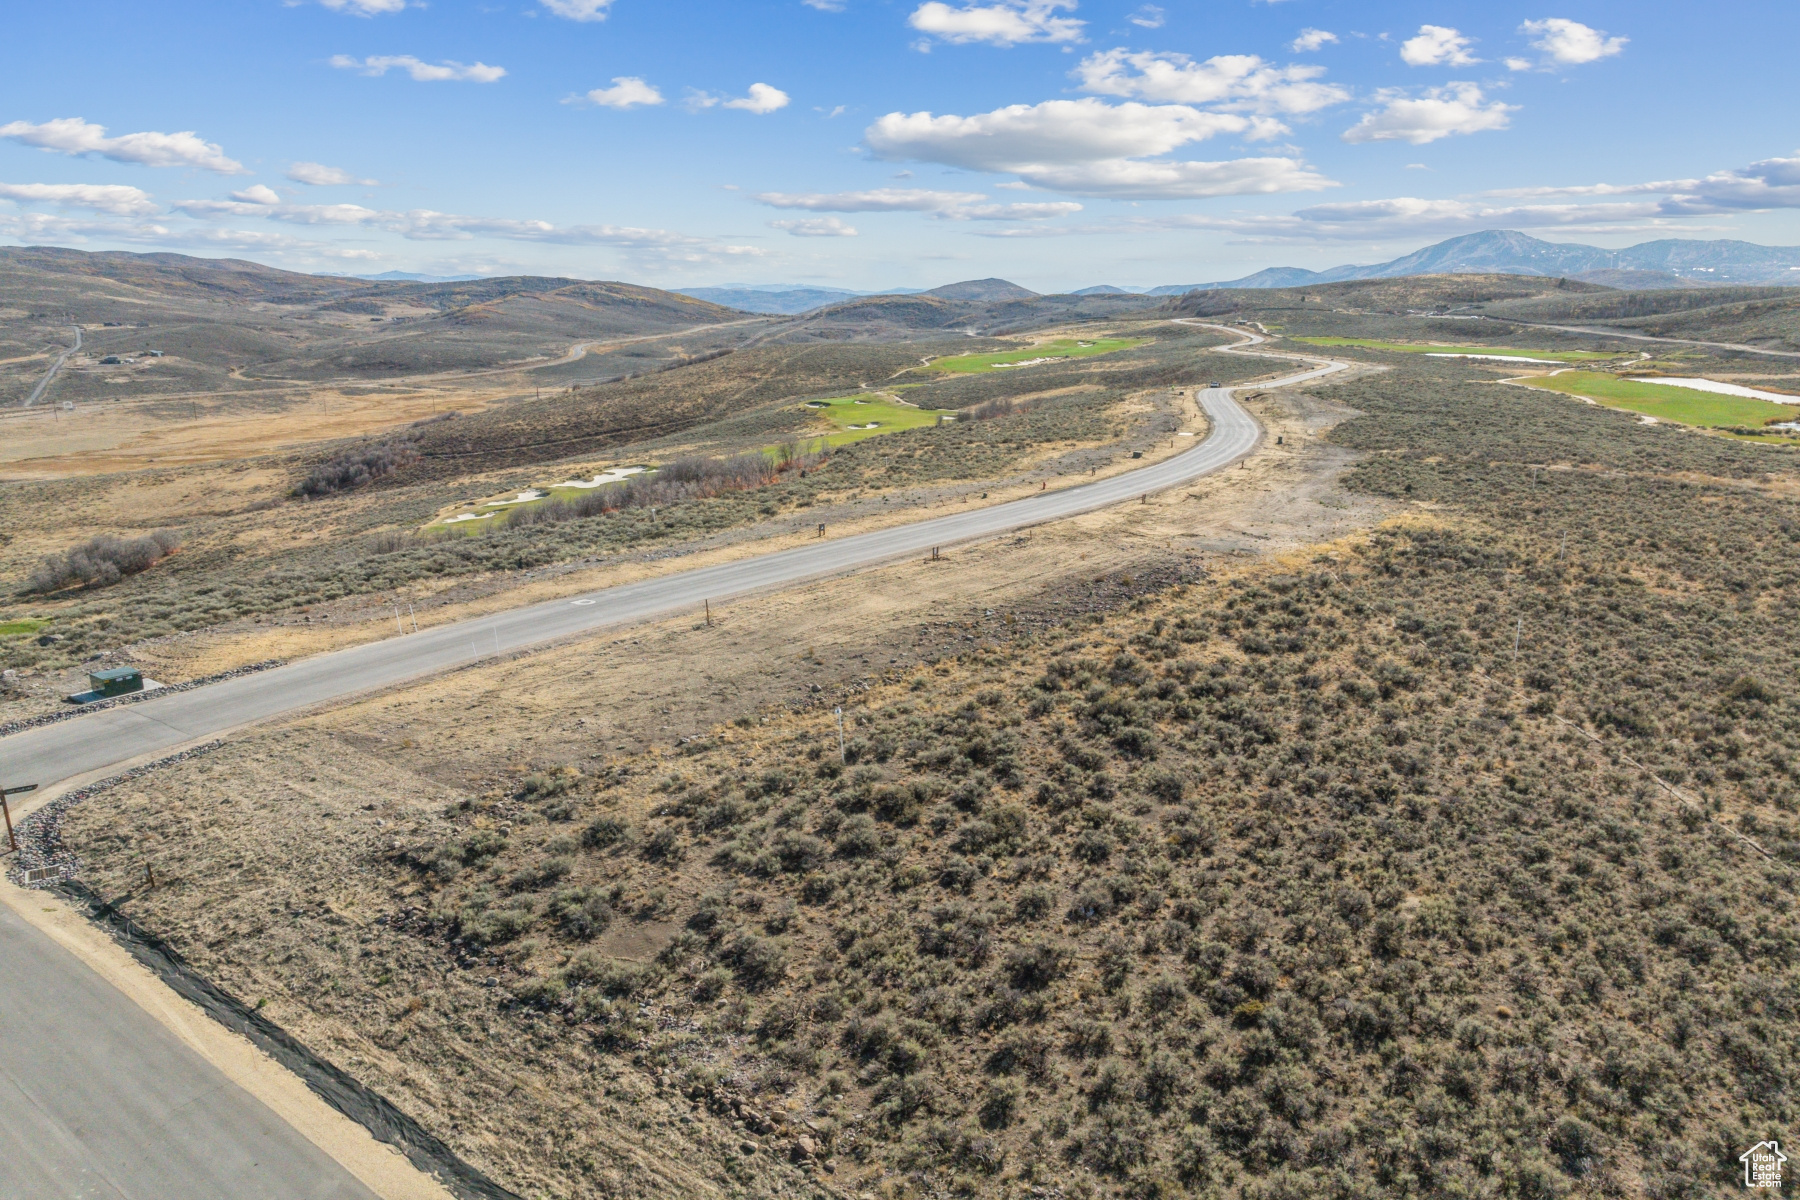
pixel 1456 859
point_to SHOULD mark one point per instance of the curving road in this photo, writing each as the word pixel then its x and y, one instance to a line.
pixel 37 393
pixel 98 1100
pixel 54 753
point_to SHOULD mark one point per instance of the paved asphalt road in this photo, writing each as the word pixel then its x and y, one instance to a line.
pixel 52 753
pixel 103 1103
pixel 38 391
pixel 97 1100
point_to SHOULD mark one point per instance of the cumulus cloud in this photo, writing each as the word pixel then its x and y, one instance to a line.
pixel 1311 39
pixel 1517 64
pixel 873 200
pixel 1239 82
pixel 1437 113
pixel 954 206
pixel 1569 43
pixel 364 8
pixel 1088 147
pixel 114 198
pixel 762 100
pixel 319 175
pixel 825 5
pixel 815 227
pixel 579 10
pixel 423 224
pixel 1772 183
pixel 257 193
pixel 1437 46
pixel 1148 16
pixel 627 91
pixel 1658 206
pixel 1028 211
pixel 74 136
pixel 422 72
pixel 1007 23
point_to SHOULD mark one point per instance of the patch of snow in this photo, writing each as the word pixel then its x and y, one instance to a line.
pixel 600 480
pixel 1723 389
pixel 1031 362
pixel 1511 358
pixel 521 498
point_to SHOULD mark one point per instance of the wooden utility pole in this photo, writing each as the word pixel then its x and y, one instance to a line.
pixel 12 841
pixel 840 717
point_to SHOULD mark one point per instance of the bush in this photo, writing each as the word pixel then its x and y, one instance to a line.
pixel 355 468
pixel 102 560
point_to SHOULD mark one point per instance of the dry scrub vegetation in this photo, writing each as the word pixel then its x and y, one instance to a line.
pixel 1291 883
pixel 254 552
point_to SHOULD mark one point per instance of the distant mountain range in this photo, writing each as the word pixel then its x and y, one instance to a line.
pixel 1672 262
pixel 406 277
pixel 784 298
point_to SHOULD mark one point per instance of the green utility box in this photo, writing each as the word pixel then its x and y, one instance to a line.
pixel 117 681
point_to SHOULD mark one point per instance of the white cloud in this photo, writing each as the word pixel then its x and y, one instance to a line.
pixel 1437 113
pixel 579 10
pixel 319 175
pixel 874 200
pixel 825 5
pixel 1056 131
pixel 1148 16
pixel 364 8
pixel 627 91
pixel 1311 39
pixel 1139 179
pixel 74 136
pixel 657 246
pixel 1437 46
pixel 815 227
pixel 1233 81
pixel 118 199
pixel 422 72
pixel 1657 207
pixel 956 206
pixel 1090 148
pixel 1517 64
pixel 1007 23
pixel 1043 211
pixel 257 193
pixel 762 100
pixel 1570 42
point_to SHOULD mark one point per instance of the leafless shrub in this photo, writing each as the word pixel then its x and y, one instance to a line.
pixel 102 560
pixel 358 467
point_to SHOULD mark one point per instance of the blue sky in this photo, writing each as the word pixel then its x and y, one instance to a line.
pixel 877 143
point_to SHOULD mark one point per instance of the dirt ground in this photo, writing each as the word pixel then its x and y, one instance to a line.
pixel 294 814
pixel 104 438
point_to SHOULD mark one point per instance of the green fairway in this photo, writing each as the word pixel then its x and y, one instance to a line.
pixel 869 415
pixel 1684 406
pixel 1496 351
pixel 24 625
pixel 965 364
